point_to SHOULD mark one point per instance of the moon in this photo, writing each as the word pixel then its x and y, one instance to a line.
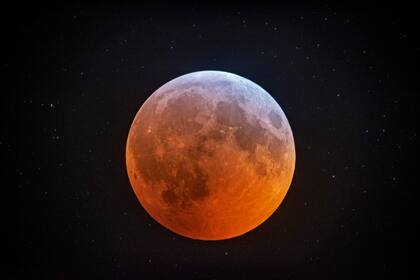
pixel 210 155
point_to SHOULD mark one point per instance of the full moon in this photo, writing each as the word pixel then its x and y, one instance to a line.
pixel 210 155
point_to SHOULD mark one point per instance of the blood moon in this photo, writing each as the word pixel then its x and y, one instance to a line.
pixel 210 155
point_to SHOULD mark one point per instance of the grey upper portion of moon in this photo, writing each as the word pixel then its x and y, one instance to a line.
pixel 202 132
pixel 216 86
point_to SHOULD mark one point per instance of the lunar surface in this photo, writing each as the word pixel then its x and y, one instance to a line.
pixel 210 155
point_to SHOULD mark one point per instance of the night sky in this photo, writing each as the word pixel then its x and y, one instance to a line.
pixel 345 78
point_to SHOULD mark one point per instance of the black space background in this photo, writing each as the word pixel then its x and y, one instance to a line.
pixel 345 77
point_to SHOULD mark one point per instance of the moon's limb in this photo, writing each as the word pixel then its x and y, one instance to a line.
pixel 210 155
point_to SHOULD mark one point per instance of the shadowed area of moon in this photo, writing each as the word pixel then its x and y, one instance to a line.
pixel 210 155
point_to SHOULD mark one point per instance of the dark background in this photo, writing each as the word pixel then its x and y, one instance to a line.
pixel 345 77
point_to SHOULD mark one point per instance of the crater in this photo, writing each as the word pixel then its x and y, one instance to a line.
pixel 277 148
pixel 185 186
pixel 275 119
pixel 247 133
pixel 197 185
pixel 169 196
pixel 180 112
pixel 229 114
pixel 200 146
pixel 261 169
pixel 242 99
pixel 222 84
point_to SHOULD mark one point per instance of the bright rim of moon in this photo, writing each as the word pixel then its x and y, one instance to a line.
pixel 210 155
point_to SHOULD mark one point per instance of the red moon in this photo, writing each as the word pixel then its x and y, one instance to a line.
pixel 210 155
